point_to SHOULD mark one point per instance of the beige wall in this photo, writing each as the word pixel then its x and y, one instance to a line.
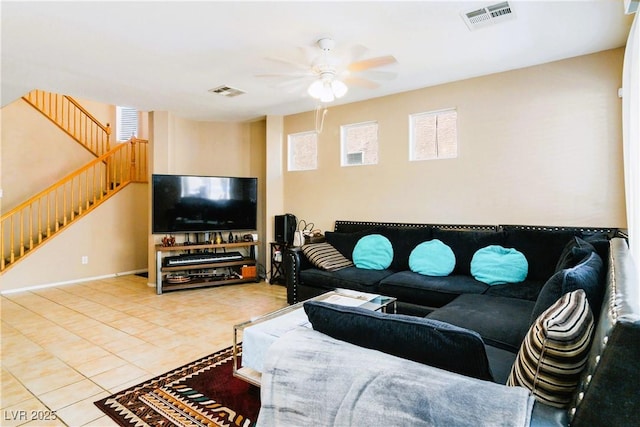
pixel 112 238
pixel 540 145
pixel 35 153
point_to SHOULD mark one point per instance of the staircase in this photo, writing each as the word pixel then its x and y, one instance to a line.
pixel 66 113
pixel 37 220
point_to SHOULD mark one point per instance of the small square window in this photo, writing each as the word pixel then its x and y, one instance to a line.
pixel 359 144
pixel 433 135
pixel 127 123
pixel 302 151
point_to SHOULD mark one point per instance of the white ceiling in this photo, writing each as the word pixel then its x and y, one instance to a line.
pixel 165 56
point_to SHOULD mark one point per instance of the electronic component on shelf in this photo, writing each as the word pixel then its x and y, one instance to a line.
pixel 202 258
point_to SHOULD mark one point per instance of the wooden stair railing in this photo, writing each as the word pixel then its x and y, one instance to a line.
pixel 35 221
pixel 66 113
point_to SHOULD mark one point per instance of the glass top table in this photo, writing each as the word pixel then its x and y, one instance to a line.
pixel 259 333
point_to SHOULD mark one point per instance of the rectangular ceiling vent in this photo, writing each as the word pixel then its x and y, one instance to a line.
pixel 227 91
pixel 488 15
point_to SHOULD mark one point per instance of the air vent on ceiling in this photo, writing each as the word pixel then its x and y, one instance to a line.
pixel 488 15
pixel 227 91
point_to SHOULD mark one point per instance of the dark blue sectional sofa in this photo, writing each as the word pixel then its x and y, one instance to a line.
pixel 502 314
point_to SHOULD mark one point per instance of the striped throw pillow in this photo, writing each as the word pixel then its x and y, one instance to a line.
pixel 554 351
pixel 325 257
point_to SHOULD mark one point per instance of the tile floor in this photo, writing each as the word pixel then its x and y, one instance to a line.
pixel 63 348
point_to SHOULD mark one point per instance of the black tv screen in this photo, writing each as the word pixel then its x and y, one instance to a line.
pixel 193 204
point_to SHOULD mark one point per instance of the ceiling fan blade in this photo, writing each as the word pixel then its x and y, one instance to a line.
pixel 291 74
pixel 356 52
pixel 378 75
pixel 359 81
pixel 288 62
pixel 365 64
pixel 292 84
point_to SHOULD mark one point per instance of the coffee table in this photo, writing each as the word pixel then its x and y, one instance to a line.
pixel 259 333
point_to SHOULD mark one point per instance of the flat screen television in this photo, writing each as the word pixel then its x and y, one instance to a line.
pixel 194 204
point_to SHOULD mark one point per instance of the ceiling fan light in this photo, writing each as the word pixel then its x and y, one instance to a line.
pixel 316 89
pixel 339 88
pixel 327 93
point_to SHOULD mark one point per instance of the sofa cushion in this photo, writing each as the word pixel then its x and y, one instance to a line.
pixel 555 351
pixel 432 258
pixel 354 278
pixel 373 252
pixel 502 322
pixel 500 362
pixel 496 264
pixel 574 252
pixel 325 257
pixel 465 243
pixel 430 291
pixel 587 275
pixel 345 242
pixel 421 340
pixel 403 240
pixel 542 248
pixel 529 289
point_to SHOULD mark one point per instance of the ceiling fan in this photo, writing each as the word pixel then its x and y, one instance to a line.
pixel 329 74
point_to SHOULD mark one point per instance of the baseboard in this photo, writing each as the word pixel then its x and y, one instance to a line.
pixel 71 282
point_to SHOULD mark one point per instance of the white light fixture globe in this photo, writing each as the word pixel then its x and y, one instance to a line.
pixel 339 88
pixel 327 88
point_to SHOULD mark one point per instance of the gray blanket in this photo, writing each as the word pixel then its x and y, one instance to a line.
pixel 312 379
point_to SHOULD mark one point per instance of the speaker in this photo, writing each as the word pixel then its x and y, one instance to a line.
pixel 284 228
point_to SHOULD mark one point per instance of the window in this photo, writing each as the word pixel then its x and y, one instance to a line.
pixel 433 135
pixel 303 151
pixel 359 144
pixel 127 123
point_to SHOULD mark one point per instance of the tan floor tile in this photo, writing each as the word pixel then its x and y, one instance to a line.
pixel 100 365
pixel 82 412
pixel 48 335
pixel 53 381
pixel 122 343
pixel 132 325
pixel 36 366
pixel 132 382
pixel 139 352
pixel 48 421
pixel 24 412
pixel 78 352
pixel 68 395
pixel 12 391
pixel 103 421
pixel 117 376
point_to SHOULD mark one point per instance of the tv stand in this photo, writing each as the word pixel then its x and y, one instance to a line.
pixel 212 273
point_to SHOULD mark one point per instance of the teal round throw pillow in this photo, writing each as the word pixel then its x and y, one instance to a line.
pixel 373 252
pixel 432 258
pixel 494 265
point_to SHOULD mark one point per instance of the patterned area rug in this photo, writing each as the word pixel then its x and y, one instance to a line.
pixel 201 393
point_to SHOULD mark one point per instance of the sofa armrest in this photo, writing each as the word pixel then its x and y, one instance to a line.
pixel 294 261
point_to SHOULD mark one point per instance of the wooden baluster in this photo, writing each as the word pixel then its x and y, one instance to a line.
pixel 21 233
pixel 12 243
pixel 30 226
pixel 2 261
pixel 95 187
pixel 108 137
pixel 49 214
pixel 133 176
pixel 40 220
pixel 79 203
pixel 64 206
pixel 88 194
